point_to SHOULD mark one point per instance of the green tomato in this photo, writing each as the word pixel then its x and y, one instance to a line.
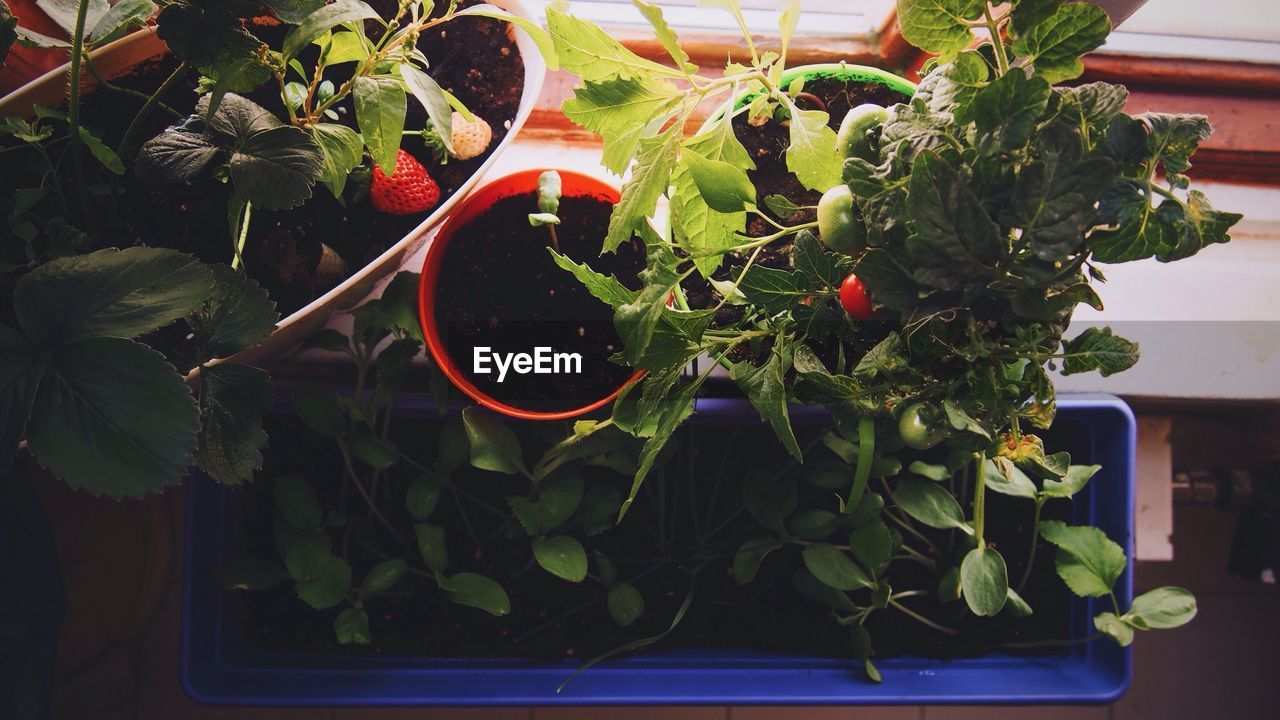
pixel 858 130
pixel 919 426
pixel 838 226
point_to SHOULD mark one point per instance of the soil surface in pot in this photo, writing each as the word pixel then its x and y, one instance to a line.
pixel 695 493
pixel 297 254
pixel 499 288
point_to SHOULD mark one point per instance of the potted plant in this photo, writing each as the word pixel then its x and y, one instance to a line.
pixel 914 479
pixel 277 159
pixel 531 345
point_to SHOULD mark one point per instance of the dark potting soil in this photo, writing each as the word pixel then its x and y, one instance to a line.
pixel 300 254
pixel 696 493
pixel 500 288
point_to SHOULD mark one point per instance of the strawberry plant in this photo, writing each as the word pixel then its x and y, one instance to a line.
pixel 985 209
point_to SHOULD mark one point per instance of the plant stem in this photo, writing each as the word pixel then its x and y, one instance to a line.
pixel 238 259
pixel 152 101
pixel 993 27
pixel 104 84
pixel 1035 540
pixel 355 480
pixel 73 104
pixel 555 240
pixel 979 501
pixel 922 619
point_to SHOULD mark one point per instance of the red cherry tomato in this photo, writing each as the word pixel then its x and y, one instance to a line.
pixel 855 300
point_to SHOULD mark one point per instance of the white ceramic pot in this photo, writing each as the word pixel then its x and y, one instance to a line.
pixel 118 58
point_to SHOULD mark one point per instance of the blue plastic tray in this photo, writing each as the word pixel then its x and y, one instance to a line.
pixel 217 668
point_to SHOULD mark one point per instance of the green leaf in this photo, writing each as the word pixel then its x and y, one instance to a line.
pixel 1172 139
pixel 248 573
pixel 1003 477
pixel 235 316
pixel 1088 561
pixel 320 21
pixel 590 53
pixel 812 155
pixel 649 178
pixel 623 112
pixel 453 447
pixel 351 627
pixel 873 545
pixel 746 562
pixel 292 11
pixel 428 92
pixel 532 29
pixel 493 446
pixel 116 293
pixel 599 506
pixel 820 267
pixel 477 591
pixel 297 502
pixel 423 495
pixel 985 581
pixel 330 588
pixel 64 12
pixel 375 452
pixel 626 604
pixel 230 442
pixel 104 154
pixel 605 288
pixel 929 503
pixel 1054 45
pixel 276 168
pixel 1016 606
pixel 935 25
pixel 772 289
pixel 887 358
pixel 1164 608
pixel 936 473
pixel 723 186
pixel 342 148
pixel 210 40
pixel 834 568
pixel 319 412
pixel 21 368
pixel 432 546
pixel 669 42
pixel 306 553
pixel 1098 349
pixel 1027 14
pixel 953 240
pixel 558 498
pixel 764 386
pixel 1006 111
pixel 769 498
pixel 380 111
pixel 561 556
pixel 121 18
pixel 112 416
pixel 1076 478
pixel 698 229
pixel 383 576
pixel 1053 202
pixel 1115 627
pixel 175 156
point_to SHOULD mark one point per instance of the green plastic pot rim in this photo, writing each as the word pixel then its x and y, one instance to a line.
pixel 841 69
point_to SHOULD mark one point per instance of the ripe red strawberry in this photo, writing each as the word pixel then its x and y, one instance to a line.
pixel 409 189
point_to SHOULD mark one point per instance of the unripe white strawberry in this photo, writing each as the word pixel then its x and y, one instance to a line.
pixel 470 139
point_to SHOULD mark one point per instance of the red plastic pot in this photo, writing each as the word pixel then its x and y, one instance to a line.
pixel 525 182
